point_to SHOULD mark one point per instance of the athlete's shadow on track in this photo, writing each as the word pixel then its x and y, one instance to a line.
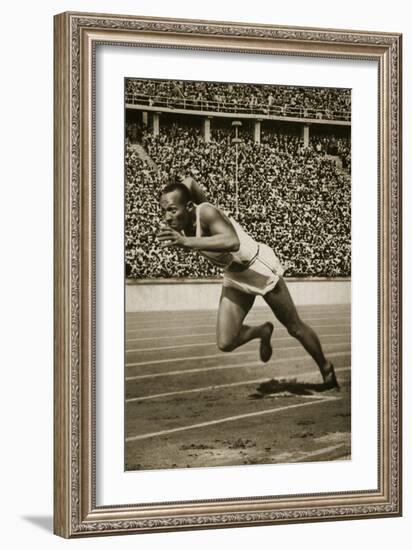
pixel 283 386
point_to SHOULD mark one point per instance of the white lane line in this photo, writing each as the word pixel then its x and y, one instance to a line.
pixel 213 356
pixel 188 321
pixel 191 371
pixel 230 419
pixel 237 366
pixel 199 344
pixel 205 388
pixel 213 316
pixel 190 335
pixel 182 325
pixel 187 335
pixel 191 314
pixel 325 311
pixel 220 386
pixel 169 328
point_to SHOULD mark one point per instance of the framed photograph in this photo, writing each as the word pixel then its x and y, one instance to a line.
pixel 227 274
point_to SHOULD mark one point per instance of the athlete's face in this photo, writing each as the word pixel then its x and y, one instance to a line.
pixel 175 212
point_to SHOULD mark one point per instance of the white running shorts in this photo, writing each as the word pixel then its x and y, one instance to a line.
pixel 261 277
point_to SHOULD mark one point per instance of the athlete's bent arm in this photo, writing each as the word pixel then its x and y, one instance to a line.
pixel 222 238
pixel 197 192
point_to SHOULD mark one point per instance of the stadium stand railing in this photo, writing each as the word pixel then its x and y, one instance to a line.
pixel 235 107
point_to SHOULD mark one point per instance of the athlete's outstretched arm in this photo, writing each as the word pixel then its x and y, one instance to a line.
pixel 222 236
pixel 197 191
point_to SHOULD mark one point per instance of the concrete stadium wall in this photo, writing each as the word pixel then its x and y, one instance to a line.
pixel 201 294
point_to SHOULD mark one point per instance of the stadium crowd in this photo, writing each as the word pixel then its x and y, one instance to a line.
pixel 295 199
pixel 333 145
pixel 287 101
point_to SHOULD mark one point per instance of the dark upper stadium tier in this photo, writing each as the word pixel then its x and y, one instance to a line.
pixel 282 101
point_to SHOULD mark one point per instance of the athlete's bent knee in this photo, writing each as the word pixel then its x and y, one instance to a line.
pixel 226 345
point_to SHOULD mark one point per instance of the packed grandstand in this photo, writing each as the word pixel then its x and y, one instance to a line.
pixel 294 197
pixel 293 101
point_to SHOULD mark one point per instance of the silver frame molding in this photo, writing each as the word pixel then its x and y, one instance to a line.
pixel 76 36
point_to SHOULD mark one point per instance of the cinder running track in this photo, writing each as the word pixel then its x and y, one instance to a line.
pixel 189 405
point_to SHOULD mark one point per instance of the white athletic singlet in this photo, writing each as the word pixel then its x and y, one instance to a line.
pixel 248 248
pixel 253 269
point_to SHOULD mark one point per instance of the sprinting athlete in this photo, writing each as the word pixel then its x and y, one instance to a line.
pixel 249 269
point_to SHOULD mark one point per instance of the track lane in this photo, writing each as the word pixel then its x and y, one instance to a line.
pixel 229 381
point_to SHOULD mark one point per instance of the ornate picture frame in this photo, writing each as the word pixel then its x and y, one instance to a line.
pixel 76 510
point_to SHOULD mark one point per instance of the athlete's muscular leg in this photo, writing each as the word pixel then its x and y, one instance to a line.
pixel 233 308
pixel 231 332
pixel 281 303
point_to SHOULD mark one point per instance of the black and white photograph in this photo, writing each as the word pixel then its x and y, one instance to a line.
pixel 237 222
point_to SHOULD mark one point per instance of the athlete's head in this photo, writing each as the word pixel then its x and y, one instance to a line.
pixel 176 204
